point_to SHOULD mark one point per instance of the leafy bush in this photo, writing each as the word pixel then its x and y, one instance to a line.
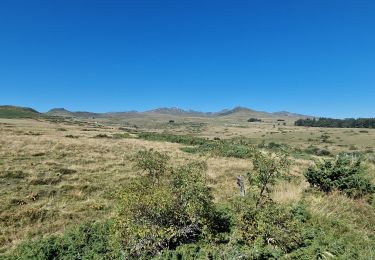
pixel 154 216
pixel 271 228
pixel 153 162
pixel 267 229
pixel 88 241
pixel 268 168
pixel 343 173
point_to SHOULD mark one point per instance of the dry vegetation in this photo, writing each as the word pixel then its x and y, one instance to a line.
pixel 54 175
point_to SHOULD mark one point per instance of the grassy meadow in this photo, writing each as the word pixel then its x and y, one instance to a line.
pixel 56 174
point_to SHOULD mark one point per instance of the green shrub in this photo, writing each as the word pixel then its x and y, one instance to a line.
pixel 152 162
pixel 102 136
pixel 343 173
pixel 254 120
pixel 121 135
pixel 153 216
pixel 165 137
pixel 317 151
pixel 217 147
pixel 273 228
pixel 268 168
pixel 267 229
pixel 88 241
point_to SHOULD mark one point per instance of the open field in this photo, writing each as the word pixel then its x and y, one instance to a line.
pixel 55 175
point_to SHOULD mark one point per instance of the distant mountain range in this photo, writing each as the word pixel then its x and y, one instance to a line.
pixel 238 112
pixel 175 111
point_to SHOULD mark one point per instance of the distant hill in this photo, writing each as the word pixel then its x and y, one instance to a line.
pixel 18 112
pixel 244 111
pixel 178 112
pixel 66 113
pixel 289 114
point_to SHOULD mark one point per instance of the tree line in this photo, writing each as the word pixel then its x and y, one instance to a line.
pixel 338 123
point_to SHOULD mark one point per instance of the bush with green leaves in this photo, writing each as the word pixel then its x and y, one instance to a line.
pixel 273 229
pixel 344 173
pixel 268 168
pixel 153 216
pixel 88 241
pixel 217 147
pixel 152 162
pixel 262 224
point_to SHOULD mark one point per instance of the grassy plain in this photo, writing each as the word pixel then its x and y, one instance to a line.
pixel 55 174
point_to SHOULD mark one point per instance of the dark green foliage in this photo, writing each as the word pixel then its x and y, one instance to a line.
pixel 338 123
pixel 102 136
pixel 13 175
pixel 317 151
pixel 276 146
pixel 192 251
pixel 254 120
pixel 343 173
pixel 325 138
pixel 225 148
pixel 72 136
pixel 180 139
pixel 272 226
pixel 65 171
pixel 89 241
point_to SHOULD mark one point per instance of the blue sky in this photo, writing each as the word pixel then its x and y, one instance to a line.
pixel 314 57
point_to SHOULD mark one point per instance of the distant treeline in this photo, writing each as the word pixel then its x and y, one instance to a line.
pixel 339 123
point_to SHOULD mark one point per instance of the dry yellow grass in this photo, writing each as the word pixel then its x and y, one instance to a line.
pixel 55 175
pixel 55 181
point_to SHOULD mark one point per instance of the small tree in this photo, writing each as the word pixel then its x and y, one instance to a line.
pixel 152 162
pixel 261 223
pixel 152 216
pixel 267 169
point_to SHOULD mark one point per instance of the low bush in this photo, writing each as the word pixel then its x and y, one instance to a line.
pixel 343 173
pixel 254 120
pixel 317 151
pixel 88 241
pixel 165 137
pixel 157 215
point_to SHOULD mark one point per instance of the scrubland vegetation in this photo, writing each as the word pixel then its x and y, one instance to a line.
pixel 77 190
pixel 338 123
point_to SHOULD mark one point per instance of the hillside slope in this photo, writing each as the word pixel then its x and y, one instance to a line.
pixel 18 112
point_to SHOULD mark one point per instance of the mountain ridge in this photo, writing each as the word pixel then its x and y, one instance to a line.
pixel 9 111
pixel 176 111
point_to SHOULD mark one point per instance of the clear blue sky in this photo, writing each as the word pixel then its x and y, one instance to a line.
pixel 313 57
